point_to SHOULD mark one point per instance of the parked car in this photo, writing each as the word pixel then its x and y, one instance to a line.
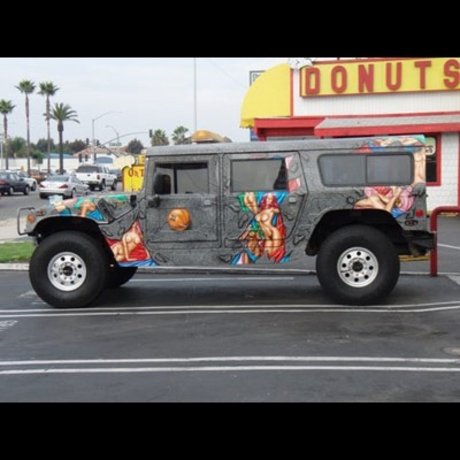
pixel 11 183
pixel 30 180
pixel 117 172
pixel 66 185
pixel 356 204
pixel 38 175
pixel 96 176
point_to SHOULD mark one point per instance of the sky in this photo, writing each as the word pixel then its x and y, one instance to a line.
pixel 140 94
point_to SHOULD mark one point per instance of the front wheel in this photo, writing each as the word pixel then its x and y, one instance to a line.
pixel 68 269
pixel 357 265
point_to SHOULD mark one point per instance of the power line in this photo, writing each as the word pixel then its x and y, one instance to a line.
pixel 226 73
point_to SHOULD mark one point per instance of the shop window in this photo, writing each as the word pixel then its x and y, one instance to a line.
pixel 185 177
pixel 259 175
pixel 432 161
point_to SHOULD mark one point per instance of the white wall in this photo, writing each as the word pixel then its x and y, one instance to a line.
pixel 447 193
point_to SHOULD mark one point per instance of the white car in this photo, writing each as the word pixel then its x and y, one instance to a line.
pixel 66 185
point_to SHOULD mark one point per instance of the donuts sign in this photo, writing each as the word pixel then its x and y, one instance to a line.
pixel 380 76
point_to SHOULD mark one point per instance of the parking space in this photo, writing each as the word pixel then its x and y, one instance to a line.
pixel 227 338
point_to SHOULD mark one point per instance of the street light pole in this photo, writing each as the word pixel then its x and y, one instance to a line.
pixel 93 131
pixel 116 132
pixel 194 97
pixel 1 151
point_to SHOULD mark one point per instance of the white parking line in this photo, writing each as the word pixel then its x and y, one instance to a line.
pixel 457 248
pixel 4 325
pixel 335 363
pixel 327 307
pixel 233 310
pixel 226 359
pixel 127 370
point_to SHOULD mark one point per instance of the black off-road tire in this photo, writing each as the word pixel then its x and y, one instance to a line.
pixel 117 276
pixel 81 268
pixel 357 265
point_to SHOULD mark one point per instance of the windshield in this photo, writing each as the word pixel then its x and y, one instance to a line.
pixel 87 169
pixel 58 179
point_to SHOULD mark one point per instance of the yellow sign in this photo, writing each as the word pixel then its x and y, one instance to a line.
pixel 133 178
pixel 380 76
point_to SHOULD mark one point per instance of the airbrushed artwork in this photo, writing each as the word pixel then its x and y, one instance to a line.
pixel 130 251
pixel 265 234
pixel 397 200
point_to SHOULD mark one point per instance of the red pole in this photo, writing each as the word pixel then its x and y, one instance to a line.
pixel 434 228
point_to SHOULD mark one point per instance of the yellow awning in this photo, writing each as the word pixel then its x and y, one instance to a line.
pixel 269 96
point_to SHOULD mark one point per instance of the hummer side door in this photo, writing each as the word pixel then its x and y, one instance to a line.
pixel 263 197
pixel 183 223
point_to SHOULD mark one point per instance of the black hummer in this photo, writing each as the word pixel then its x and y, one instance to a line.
pixel 356 204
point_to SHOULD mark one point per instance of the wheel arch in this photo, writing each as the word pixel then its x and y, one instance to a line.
pixel 52 225
pixel 378 219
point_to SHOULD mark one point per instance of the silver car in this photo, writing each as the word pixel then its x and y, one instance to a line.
pixel 66 185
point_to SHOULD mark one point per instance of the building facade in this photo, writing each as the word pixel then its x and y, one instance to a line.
pixel 366 97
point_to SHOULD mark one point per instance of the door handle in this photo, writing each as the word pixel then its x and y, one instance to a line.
pixel 207 203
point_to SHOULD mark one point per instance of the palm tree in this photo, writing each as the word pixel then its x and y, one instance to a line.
pixel 6 107
pixel 61 113
pixel 48 89
pixel 159 138
pixel 178 135
pixel 27 87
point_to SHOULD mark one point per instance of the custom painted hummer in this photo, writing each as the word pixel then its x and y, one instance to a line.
pixel 356 204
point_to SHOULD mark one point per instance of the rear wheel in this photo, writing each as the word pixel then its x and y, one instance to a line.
pixel 26 190
pixel 117 276
pixel 10 191
pixel 357 265
pixel 68 269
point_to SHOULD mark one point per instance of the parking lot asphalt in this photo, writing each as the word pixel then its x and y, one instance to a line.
pixel 236 339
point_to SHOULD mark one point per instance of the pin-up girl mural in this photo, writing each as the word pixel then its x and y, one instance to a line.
pixel 130 251
pixel 266 232
pixel 396 200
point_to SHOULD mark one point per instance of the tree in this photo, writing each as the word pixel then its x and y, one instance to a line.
pixel 48 89
pixel 77 146
pixel 17 147
pixel 159 137
pixel 42 145
pixel 61 113
pixel 6 107
pixel 27 87
pixel 135 147
pixel 179 135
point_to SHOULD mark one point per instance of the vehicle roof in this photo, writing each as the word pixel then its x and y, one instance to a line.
pixel 313 144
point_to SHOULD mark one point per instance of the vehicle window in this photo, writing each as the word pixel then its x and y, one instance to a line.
pixel 58 179
pixel 389 169
pixel 362 170
pixel 259 175
pixel 88 169
pixel 185 177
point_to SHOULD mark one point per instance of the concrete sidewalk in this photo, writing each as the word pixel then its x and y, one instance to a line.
pixel 8 231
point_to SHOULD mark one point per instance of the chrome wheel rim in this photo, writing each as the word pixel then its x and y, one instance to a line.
pixel 358 267
pixel 67 271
